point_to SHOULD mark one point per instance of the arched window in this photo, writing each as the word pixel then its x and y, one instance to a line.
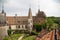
pixel 9 26
pixel 26 26
pixel 22 26
pixel 18 26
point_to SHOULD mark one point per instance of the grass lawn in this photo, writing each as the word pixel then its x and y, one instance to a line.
pixel 13 37
pixel 29 38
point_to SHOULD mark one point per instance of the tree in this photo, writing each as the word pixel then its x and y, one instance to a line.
pixel 39 27
pixel 50 23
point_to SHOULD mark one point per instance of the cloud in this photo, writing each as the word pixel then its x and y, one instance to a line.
pixel 0 0
pixel 57 1
pixel 21 7
pixel 50 7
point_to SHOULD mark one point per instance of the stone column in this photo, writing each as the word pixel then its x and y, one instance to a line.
pixel 23 26
pixel 20 26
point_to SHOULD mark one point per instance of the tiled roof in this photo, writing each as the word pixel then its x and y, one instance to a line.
pixel 12 19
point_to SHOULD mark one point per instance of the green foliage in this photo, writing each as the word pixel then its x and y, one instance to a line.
pixel 53 21
pixel 34 33
pixel 17 31
pixel 58 27
pixel 9 32
pixel 50 23
pixel 6 38
pixel 29 38
pixel 13 37
pixel 39 27
pixel 57 21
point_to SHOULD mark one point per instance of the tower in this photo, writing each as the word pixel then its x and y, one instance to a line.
pixel 3 15
pixel 40 16
pixel 3 6
pixel 30 14
pixel 16 19
pixel 30 20
pixel 38 5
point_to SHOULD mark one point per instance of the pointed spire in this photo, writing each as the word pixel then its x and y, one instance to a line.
pixel 39 13
pixel 15 15
pixel 30 13
pixel 38 10
pixel 2 6
pixel 38 5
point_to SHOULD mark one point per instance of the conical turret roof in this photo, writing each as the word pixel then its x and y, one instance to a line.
pixel 30 13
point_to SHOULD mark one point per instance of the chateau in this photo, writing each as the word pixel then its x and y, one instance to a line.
pixel 22 22
pixel 19 22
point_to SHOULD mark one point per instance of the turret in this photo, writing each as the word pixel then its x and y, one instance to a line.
pixel 16 19
pixel 30 20
pixel 30 14
pixel 2 7
pixel 3 12
pixel 41 14
pixel 3 16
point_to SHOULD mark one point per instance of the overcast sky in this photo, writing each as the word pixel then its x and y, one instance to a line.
pixel 20 7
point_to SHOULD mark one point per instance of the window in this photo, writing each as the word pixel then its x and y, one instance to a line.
pixel 39 21
pixel 19 26
pixel 26 26
pixel 9 26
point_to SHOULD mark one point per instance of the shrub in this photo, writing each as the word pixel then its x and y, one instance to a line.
pixel 6 38
pixel 9 32
pixel 34 33
pixel 17 32
pixel 29 38
pixel 38 27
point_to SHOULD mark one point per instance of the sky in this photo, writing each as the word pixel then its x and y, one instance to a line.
pixel 21 7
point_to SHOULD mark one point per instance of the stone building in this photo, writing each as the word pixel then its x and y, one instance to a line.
pixel 39 18
pixel 25 22
pixel 22 22
pixel 2 18
pixel 3 27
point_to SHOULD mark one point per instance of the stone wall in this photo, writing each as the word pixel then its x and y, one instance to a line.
pixel 3 32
